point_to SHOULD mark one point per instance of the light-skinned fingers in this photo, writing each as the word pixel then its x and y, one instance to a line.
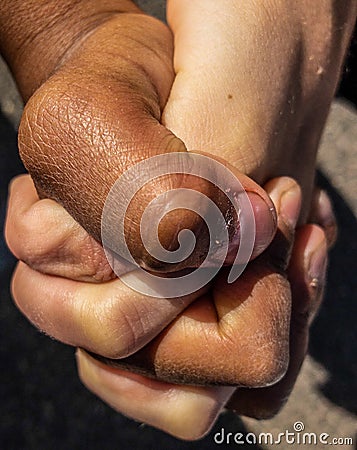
pixel 185 412
pixel 107 318
pixel 42 234
pixel 286 196
pixel 322 214
pixel 92 306
pixel 307 272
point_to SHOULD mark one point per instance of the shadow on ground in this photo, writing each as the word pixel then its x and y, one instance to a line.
pixel 333 340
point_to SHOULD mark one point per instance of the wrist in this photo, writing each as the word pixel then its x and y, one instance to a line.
pixel 36 37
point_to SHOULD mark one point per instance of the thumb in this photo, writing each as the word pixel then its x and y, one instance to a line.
pixel 98 116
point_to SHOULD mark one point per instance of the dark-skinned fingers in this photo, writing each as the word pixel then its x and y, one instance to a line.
pixel 43 235
pixel 244 324
pixel 322 214
pixel 307 272
pixel 186 412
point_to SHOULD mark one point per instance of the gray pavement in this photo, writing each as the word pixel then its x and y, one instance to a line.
pixel 44 406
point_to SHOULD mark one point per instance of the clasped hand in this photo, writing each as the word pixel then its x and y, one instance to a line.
pixel 115 98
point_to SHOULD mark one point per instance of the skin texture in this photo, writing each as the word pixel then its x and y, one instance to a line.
pixel 273 95
pixel 67 116
pixel 166 404
pixel 124 321
pixel 36 44
pixel 125 391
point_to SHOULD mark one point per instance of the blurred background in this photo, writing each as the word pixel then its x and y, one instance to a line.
pixel 44 406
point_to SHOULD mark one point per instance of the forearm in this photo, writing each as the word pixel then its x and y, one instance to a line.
pixel 36 35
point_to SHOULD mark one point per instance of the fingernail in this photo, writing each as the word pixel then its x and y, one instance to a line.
pixel 265 228
pixel 290 204
pixel 317 264
pixel 325 209
pixel 326 217
pixel 265 222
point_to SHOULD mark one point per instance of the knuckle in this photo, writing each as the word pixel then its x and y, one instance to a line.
pixel 64 140
pixel 262 370
pixel 114 331
pixel 266 346
pixel 10 237
pixel 129 330
pixel 56 125
pixel 270 366
pixel 94 264
pixel 270 348
pixel 260 363
pixel 44 123
pixel 30 237
pixel 18 235
pixel 16 182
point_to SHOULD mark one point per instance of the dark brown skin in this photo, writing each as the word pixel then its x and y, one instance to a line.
pixel 77 312
pixel 109 129
pixel 66 116
pixel 37 36
pixel 217 324
pixel 76 140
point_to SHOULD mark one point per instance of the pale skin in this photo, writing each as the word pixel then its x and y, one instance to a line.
pixel 184 411
pixel 251 135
